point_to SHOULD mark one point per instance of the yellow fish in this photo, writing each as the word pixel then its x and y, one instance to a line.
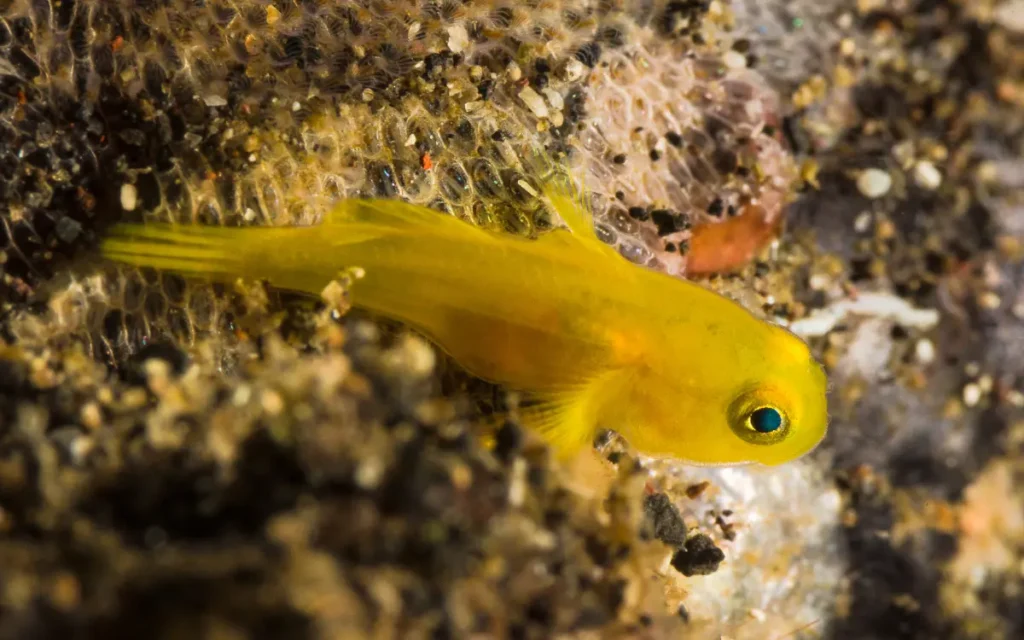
pixel 599 343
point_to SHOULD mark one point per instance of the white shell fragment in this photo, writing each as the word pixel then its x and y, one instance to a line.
pixel 876 305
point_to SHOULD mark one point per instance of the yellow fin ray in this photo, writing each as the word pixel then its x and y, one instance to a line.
pixel 564 421
pixel 391 216
pixel 567 419
pixel 568 199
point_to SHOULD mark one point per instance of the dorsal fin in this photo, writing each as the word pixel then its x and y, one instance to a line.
pixel 383 212
pixel 570 203
pixel 398 216
pixel 568 199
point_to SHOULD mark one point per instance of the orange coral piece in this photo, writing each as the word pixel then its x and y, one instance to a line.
pixel 726 246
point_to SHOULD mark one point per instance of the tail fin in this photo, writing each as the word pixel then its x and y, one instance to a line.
pixel 189 250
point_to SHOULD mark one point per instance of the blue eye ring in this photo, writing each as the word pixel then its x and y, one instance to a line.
pixel 766 420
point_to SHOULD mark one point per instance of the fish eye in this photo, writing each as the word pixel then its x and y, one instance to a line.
pixel 756 417
pixel 765 420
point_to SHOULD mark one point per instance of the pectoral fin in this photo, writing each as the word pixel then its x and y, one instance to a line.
pixel 565 421
pixel 569 420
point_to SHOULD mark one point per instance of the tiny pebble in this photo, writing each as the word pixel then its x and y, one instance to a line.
pixel 272 402
pixel 458 38
pixel 574 70
pixel 862 223
pixel 369 473
pixel 1015 398
pixel 129 197
pixel 989 300
pixel 818 282
pixel 734 60
pixel 924 351
pixel 985 383
pixel 926 175
pixel 535 103
pixel 972 395
pixel 874 183
pixel 517 485
pixel 554 98
pixel 91 416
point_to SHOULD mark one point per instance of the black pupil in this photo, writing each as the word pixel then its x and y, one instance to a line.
pixel 766 419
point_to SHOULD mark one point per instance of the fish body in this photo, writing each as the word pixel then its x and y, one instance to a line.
pixel 598 342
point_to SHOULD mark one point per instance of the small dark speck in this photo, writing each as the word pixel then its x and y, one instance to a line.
pixel 670 247
pixel 674 139
pixel 716 208
pixel 669 222
pixel 485 88
pixel 655 155
pixel 684 615
pixel 508 441
pixel 619 159
pixel 639 213
pixel 620 196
